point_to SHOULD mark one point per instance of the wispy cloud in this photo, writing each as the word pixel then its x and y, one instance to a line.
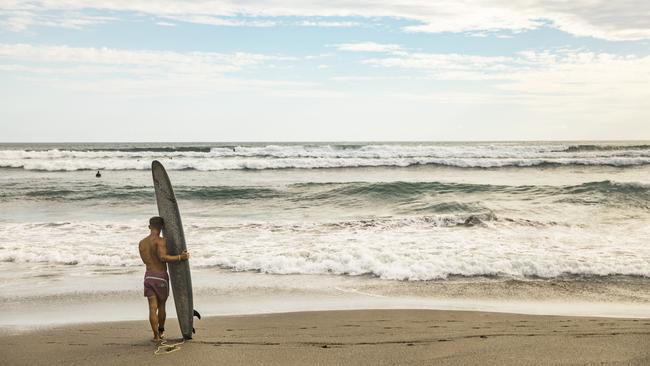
pixel 124 71
pixel 19 18
pixel 534 78
pixel 612 20
pixel 222 21
pixel 328 24
pixel 370 47
pixel 450 66
pixel 174 60
pixel 254 22
pixel 529 77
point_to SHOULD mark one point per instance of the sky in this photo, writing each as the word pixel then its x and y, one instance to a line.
pixel 281 70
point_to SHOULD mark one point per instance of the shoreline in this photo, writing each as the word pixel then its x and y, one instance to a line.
pixel 360 337
pixel 31 319
pixel 117 296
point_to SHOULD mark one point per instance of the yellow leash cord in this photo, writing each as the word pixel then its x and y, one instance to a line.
pixel 167 348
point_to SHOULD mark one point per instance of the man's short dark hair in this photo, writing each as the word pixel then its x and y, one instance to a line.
pixel 156 222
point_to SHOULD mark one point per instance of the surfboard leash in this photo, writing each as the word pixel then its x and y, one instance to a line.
pixel 167 348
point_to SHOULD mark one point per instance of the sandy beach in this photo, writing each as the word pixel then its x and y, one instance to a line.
pixel 364 337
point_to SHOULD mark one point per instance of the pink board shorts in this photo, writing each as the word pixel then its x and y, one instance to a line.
pixel 156 283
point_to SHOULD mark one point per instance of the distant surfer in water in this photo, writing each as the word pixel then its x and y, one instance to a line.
pixel 98 175
pixel 153 251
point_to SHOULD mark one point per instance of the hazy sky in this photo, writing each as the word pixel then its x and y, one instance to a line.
pixel 280 70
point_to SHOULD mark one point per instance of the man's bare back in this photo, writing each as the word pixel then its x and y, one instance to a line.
pixel 150 253
pixel 153 251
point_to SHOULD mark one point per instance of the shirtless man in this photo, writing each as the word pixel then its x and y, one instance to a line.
pixel 153 251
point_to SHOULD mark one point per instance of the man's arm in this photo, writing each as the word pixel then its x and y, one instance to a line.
pixel 162 253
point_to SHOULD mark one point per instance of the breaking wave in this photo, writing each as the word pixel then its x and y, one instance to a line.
pixel 321 156
pixel 582 148
pixel 412 249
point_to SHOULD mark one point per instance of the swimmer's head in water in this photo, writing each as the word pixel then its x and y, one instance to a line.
pixel 156 223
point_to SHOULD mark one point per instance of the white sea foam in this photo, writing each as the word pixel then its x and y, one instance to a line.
pixel 411 251
pixel 324 156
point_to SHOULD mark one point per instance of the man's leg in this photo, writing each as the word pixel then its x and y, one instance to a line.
pixel 153 317
pixel 162 315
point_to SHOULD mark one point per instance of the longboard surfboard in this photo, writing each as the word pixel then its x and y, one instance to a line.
pixel 179 272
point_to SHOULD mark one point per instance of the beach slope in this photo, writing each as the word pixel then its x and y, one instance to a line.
pixel 363 337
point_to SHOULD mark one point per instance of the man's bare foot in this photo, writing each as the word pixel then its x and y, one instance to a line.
pixel 156 339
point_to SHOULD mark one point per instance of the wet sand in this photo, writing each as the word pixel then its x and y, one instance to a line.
pixel 360 337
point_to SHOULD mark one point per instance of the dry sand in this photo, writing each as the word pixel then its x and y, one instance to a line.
pixel 364 337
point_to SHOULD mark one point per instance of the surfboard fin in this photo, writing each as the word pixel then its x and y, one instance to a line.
pixel 196 314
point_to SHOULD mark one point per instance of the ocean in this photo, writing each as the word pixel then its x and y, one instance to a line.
pixel 286 226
